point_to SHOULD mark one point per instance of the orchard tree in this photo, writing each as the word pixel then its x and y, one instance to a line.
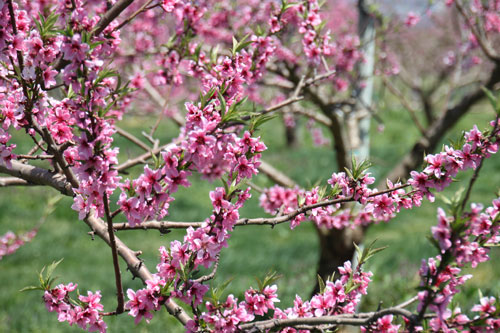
pixel 72 70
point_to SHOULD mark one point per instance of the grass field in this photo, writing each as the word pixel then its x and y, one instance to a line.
pixel 253 251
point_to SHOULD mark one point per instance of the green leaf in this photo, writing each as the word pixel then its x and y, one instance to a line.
pixel 213 54
pixel 46 25
pixel 216 292
pixel 41 279
pixel 28 288
pixel 258 121
pixel 156 161
pixel 367 252
pixel 286 5
pixel 359 253
pixel 53 266
pixel 105 73
pixel 238 46
pixel 321 284
pixel 494 100
pixel 223 105
pixel 351 286
pixel 372 252
pixel 269 279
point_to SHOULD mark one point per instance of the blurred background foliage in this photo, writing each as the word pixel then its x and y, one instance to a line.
pixel 253 251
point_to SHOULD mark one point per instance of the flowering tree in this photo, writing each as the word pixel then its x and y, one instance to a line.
pixel 63 70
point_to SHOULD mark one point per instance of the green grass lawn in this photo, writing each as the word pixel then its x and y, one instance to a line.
pixel 253 251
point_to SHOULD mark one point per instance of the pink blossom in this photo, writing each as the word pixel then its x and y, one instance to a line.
pixel 412 19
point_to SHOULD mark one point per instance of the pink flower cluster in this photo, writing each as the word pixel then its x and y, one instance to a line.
pixel 412 19
pixel 317 135
pixel 441 168
pixel 201 247
pixel 10 242
pixel 314 45
pixel 375 208
pixel 142 302
pixel 6 149
pixel 437 174
pixel 77 122
pixel 203 145
pixel 488 13
pixel 339 297
pixel 226 316
pixel 87 315
pixel 383 325
pixel 206 149
pixel 460 246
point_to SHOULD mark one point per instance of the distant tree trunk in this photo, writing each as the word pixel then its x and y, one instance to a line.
pixel 351 136
pixel 291 135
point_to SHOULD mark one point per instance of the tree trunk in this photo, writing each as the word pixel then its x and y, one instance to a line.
pixel 351 137
pixel 291 135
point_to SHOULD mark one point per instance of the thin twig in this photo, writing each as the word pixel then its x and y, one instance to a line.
pixel 132 138
pixel 35 148
pixel 110 15
pixel 484 44
pixel 405 103
pixel 164 226
pixel 13 181
pixel 131 17
pixel 317 117
pixel 116 265
pixel 212 274
pixel 35 157
pixel 478 169
pixel 139 159
pixel 361 319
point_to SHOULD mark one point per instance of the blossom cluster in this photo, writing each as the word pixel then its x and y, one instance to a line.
pixel 61 50
pixel 200 247
pixel 438 173
pixel 10 242
pixel 81 122
pixel 87 314
pixel 462 240
pixel 339 297
pixel 226 316
pixel 203 146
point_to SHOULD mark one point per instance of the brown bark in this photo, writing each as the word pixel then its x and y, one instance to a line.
pixel 336 247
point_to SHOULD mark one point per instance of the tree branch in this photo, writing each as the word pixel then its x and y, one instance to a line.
pixel 212 274
pixel 484 44
pixel 41 176
pixel 116 264
pixel 405 103
pixel 135 265
pixel 437 130
pixel 13 181
pixel 110 15
pixel 137 12
pixel 164 226
pixel 361 319
pixel 38 176
pixel 275 175
pixel 132 138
